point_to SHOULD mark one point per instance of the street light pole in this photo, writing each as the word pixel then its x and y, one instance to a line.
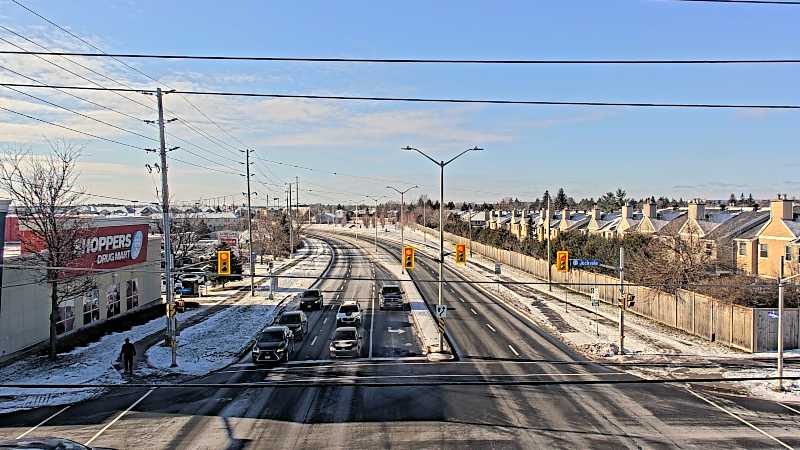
pixel 375 218
pixel 441 165
pixel 402 218
pixel 250 224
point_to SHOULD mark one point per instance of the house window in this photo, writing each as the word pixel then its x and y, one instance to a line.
pixel 91 306
pixel 788 253
pixel 709 248
pixel 763 250
pixel 65 317
pixel 742 249
pixel 132 294
pixel 112 299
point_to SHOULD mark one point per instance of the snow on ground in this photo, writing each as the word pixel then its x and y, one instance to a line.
pixel 220 340
pixel 90 364
pixel 645 340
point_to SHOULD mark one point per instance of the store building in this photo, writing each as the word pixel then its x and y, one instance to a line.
pixel 124 246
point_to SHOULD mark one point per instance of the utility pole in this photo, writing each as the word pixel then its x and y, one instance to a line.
pixel 441 165
pixel 549 256
pixel 291 226
pixel 622 299
pixel 171 321
pixel 402 218
pixel 424 225
pixel 779 383
pixel 470 230
pixel 297 198
pixel 250 224
pixel 375 218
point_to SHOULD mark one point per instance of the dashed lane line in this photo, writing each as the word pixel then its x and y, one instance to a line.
pixel 735 416
pixel 513 349
pixel 789 408
pixel 43 422
pixel 491 328
pixel 120 416
pixel 313 341
pixel 473 311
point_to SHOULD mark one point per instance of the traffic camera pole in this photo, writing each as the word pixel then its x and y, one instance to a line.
pixel 622 299
pixel 441 244
pixel 171 321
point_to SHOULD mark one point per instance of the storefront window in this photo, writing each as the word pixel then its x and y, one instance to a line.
pixel 91 306
pixel 112 299
pixel 65 320
pixel 132 293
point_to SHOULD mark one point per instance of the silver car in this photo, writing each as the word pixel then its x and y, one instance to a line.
pixel 346 342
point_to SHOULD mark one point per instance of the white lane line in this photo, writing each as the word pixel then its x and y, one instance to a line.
pixel 491 328
pixel 324 320
pixel 473 311
pixel 783 444
pixel 43 422
pixel 102 430
pixel 513 350
pixel 461 300
pixel 789 408
pixel 313 341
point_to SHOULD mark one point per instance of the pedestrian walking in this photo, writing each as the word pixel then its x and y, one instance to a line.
pixel 127 353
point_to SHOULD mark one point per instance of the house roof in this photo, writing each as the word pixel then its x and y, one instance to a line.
pixel 672 227
pixel 738 224
pixel 610 225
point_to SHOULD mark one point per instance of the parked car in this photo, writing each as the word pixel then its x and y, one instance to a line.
pixel 273 344
pixel 349 314
pixel 45 443
pixel 295 321
pixel 346 342
pixel 311 299
pixel 391 296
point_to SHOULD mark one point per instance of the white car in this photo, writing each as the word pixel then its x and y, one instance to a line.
pixel 349 314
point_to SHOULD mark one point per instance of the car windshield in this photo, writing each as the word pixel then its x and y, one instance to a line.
pixel 270 336
pixel 347 309
pixel 290 318
pixel 391 290
pixel 345 335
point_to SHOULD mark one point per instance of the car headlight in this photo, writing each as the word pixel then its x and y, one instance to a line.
pixel 280 350
pixel 256 350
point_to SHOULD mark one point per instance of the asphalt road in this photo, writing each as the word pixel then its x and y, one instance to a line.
pixel 494 345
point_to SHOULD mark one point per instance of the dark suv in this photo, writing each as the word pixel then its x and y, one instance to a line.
pixel 295 321
pixel 274 344
pixel 311 299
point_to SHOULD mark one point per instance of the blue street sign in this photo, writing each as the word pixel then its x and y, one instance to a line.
pixel 585 262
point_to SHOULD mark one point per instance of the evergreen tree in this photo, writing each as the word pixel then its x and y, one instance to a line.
pixel 546 198
pixel 560 200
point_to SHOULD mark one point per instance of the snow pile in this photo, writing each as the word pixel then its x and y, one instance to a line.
pixel 220 340
pixel 90 364
pixel 602 349
pixel 766 389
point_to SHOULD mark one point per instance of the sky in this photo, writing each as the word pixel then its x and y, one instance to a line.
pixel 688 153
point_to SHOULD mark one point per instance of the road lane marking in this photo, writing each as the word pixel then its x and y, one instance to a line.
pixel 473 311
pixel 789 408
pixel 461 300
pixel 491 328
pixel 313 341
pixel 513 350
pixel 43 422
pixel 102 430
pixel 739 418
pixel 325 319
pixel 444 375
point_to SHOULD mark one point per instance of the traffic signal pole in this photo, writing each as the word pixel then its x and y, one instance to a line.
pixel 402 217
pixel 250 225
pixel 171 321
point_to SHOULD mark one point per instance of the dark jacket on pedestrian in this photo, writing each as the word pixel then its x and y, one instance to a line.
pixel 128 350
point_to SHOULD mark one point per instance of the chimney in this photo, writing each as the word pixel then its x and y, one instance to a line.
pixel 565 214
pixel 595 212
pixel 697 209
pixel 649 209
pixel 627 210
pixel 781 208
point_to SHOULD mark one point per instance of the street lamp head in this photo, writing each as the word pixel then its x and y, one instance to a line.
pixel 476 149
pixel 408 148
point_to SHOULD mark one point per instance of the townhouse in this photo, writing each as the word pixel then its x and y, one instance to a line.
pixel 761 250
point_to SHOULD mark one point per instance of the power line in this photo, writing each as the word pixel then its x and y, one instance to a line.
pixel 431 61
pixel 81 114
pixel 204 167
pixel 71 129
pixel 446 100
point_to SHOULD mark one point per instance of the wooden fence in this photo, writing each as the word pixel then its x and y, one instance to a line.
pixel 716 320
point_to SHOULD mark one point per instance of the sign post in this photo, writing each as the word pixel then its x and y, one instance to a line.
pixel 596 304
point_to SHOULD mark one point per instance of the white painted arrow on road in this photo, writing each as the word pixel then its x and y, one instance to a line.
pixel 398 331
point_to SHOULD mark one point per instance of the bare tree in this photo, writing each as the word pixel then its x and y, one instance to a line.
pixel 44 191
pixel 186 229
pixel 671 263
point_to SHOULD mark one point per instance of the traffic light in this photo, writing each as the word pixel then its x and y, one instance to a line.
pixel 408 258
pixel 562 261
pixel 461 253
pixel 627 301
pixel 224 262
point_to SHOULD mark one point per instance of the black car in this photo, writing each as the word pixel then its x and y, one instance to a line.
pixel 311 299
pixel 273 344
pixel 295 321
pixel 45 443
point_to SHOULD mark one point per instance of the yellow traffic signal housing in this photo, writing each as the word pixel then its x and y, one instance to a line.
pixel 630 300
pixel 224 262
pixel 562 261
pixel 461 254
pixel 408 258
